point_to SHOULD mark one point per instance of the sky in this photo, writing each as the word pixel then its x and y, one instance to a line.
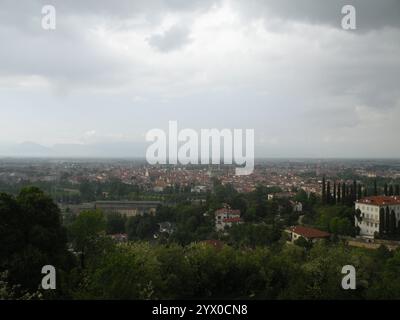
pixel 113 70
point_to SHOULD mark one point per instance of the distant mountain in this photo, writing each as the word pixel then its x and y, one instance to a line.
pixel 25 149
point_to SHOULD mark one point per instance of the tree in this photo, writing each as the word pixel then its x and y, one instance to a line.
pixel 354 192
pixel 387 220
pixel 375 188
pixel 391 191
pixel 382 221
pixel 328 193
pixel 86 230
pixel 323 190
pixel 359 192
pixel 385 189
pixel 344 193
pixel 393 226
pixel 334 192
pixel 115 223
pixel 31 236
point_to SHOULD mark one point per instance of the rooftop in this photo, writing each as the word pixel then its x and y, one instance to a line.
pixel 380 200
pixel 309 233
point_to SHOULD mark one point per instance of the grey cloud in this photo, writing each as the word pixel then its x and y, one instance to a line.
pixel 371 14
pixel 172 39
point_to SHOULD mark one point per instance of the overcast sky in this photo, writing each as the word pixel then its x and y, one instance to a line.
pixel 112 70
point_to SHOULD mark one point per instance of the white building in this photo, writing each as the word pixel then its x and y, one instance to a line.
pixel 297 206
pixel 199 189
pixel 370 208
pixel 226 217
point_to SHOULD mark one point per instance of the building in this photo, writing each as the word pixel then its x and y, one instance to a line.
pixel 377 214
pixel 226 217
pixel 127 208
pixel 216 244
pixel 199 189
pixel 167 227
pixel 297 206
pixel 307 233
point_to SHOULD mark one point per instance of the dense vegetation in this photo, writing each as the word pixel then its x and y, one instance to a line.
pixel 254 263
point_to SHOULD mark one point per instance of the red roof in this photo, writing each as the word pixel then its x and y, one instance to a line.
pixel 380 200
pixel 228 211
pixel 233 219
pixel 309 233
pixel 217 244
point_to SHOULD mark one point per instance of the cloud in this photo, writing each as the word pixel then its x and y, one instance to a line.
pixel 285 69
pixel 174 38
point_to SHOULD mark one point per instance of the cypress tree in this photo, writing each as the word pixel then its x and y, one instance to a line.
pixel 397 190
pixel 392 227
pixel 391 192
pixel 328 192
pixel 343 193
pixel 334 193
pixel 323 190
pixel 387 220
pixel 381 221
pixel 385 189
pixel 375 188
pixel 338 200
pixel 359 192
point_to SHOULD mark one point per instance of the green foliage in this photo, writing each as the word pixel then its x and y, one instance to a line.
pixel 115 223
pixel 250 235
pixel 336 219
pixel 31 236
pixel 87 227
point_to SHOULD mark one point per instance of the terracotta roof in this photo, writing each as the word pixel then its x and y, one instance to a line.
pixel 217 244
pixel 228 211
pixel 309 232
pixel 380 200
pixel 232 220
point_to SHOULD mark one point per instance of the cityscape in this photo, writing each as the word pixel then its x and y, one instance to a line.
pixel 197 158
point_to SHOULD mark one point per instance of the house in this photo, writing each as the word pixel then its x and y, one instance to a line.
pixel 377 214
pixel 217 244
pixel 226 217
pixel 310 234
pixel 198 189
pixel 166 227
pixel 297 206
pixel 119 237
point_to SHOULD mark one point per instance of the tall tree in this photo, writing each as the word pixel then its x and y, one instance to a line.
pixel 339 193
pixel 359 192
pixel 392 228
pixel 382 221
pixel 354 193
pixel 334 193
pixel 328 192
pixel 375 188
pixel 391 191
pixel 397 190
pixel 323 190
pixel 31 236
pixel 387 220
pixel 385 189
pixel 344 193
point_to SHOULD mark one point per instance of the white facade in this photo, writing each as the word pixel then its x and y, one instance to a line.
pixel 226 217
pixel 370 208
